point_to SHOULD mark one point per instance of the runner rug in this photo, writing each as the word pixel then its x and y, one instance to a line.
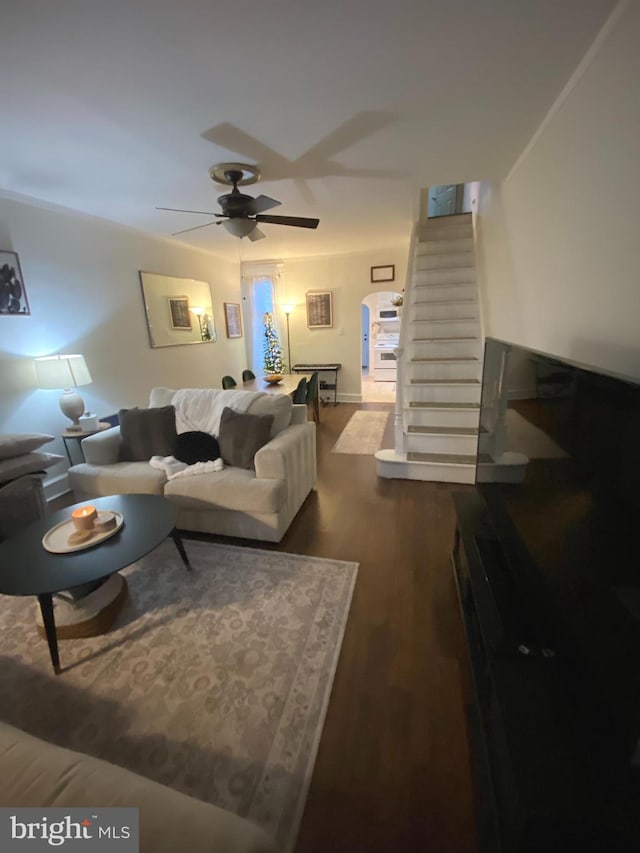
pixel 363 433
pixel 214 682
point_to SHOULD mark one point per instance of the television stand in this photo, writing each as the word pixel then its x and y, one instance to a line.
pixel 538 787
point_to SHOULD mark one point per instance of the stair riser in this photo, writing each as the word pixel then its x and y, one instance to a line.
pixel 445 291
pixel 462 275
pixel 436 247
pixel 426 472
pixel 418 443
pixel 448 329
pixel 438 262
pixel 445 370
pixel 445 349
pixel 444 312
pixel 443 417
pixel 443 393
pixel 431 233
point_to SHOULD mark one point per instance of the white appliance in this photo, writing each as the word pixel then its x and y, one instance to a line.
pixel 384 358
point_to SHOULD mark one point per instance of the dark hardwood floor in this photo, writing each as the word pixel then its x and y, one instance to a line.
pixel 392 772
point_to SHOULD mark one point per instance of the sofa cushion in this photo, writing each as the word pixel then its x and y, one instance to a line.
pixel 121 478
pixel 231 489
pixel 146 432
pixel 241 436
pixel 278 405
pixel 196 446
pixel 17 443
pixel 26 463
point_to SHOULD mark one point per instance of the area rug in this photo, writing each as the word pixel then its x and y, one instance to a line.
pixel 363 433
pixel 214 682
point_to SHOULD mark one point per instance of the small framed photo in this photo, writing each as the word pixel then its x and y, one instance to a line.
pixel 13 295
pixel 179 312
pixel 233 319
pixel 319 309
pixel 387 273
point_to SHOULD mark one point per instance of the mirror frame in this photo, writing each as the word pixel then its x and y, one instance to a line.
pixel 179 311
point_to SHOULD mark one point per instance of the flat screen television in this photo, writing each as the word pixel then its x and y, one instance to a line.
pixel 559 473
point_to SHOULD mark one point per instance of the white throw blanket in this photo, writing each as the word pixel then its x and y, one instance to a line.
pixel 200 409
pixel 173 468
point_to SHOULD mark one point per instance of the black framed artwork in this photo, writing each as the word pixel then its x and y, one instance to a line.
pixel 383 273
pixel 13 294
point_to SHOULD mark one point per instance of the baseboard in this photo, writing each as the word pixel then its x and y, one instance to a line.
pixel 348 398
pixel 56 487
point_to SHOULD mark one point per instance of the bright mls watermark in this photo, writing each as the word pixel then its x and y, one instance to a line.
pixel 107 830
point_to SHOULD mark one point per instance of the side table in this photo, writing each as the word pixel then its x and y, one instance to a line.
pixel 78 435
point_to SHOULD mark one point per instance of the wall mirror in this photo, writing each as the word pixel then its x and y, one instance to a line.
pixel 179 310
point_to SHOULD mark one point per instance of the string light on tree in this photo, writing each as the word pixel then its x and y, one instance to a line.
pixel 273 362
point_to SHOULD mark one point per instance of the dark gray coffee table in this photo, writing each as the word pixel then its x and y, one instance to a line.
pixel 29 569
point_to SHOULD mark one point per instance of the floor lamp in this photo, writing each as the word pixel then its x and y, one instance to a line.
pixel 287 310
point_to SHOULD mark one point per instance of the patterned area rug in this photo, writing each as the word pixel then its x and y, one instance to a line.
pixel 363 433
pixel 214 682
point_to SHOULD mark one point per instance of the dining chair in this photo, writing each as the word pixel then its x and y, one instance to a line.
pixel 300 394
pixel 248 375
pixel 228 382
pixel 312 396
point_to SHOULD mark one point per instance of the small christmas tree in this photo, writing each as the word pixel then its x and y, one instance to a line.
pixel 273 362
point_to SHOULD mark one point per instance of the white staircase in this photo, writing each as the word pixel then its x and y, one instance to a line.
pixel 439 359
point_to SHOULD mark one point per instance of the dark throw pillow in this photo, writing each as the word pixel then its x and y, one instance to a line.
pixel 192 447
pixel 146 432
pixel 241 437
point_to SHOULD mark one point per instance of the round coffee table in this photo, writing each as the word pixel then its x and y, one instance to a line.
pixel 29 569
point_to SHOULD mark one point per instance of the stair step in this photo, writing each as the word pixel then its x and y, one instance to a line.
pixel 444 382
pixel 432 430
pixel 442 458
pixel 445 319
pixel 442 360
pixel 431 340
pixel 418 405
pixel 442 301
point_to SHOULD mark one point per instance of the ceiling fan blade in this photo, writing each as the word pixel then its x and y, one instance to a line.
pixel 297 221
pixel 256 234
pixel 262 202
pixel 180 210
pixel 195 228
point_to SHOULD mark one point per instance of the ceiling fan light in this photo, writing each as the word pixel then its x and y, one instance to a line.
pixel 239 227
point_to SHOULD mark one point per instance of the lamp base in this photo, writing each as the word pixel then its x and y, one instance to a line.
pixel 72 406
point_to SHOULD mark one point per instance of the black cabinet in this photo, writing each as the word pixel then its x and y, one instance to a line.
pixel 537 777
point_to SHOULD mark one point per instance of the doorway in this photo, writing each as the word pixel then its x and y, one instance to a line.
pixel 379 336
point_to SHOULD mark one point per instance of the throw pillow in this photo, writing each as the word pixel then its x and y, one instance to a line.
pixel 146 432
pixel 242 436
pixel 26 463
pixel 196 446
pixel 16 443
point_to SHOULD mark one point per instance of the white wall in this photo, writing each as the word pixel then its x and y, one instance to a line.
pixel 559 240
pixel 84 292
pixel 348 277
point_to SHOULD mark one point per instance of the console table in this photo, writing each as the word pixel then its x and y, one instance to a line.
pixel 332 367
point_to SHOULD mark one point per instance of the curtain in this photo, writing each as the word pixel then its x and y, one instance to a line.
pixel 262 296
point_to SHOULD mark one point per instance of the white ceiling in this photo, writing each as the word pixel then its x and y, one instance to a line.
pixel 349 107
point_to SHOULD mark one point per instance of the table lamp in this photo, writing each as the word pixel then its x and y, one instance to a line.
pixel 67 372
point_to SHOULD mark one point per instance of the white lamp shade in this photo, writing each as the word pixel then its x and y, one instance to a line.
pixel 288 309
pixel 239 227
pixel 62 371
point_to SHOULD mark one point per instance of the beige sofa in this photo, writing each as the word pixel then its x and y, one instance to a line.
pixel 38 774
pixel 256 504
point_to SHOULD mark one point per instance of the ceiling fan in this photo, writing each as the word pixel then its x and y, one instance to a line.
pixel 241 213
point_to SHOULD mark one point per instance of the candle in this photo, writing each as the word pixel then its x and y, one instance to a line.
pixel 84 517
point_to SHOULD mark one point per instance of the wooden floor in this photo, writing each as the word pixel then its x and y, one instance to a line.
pixel 392 772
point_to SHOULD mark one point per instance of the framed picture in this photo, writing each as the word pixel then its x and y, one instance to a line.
pixel 233 319
pixel 179 312
pixel 13 296
pixel 387 273
pixel 319 309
